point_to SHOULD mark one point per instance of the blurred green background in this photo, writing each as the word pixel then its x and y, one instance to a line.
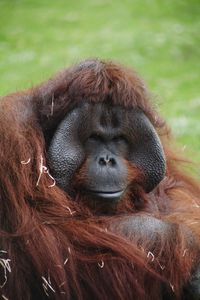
pixel 160 39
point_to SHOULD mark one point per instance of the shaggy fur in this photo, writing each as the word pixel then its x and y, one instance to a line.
pixel 53 246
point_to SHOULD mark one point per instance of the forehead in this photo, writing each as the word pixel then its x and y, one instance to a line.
pixel 106 114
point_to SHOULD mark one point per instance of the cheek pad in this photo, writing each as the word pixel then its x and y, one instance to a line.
pixel 65 153
pixel 148 153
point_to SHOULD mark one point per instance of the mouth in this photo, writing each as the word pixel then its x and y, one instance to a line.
pixel 113 195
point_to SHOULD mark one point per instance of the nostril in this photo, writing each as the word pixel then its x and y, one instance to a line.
pixel 112 161
pixel 103 161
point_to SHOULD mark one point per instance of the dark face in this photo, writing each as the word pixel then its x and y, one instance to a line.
pixel 101 142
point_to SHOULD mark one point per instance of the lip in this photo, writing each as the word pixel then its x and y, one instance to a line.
pixel 107 195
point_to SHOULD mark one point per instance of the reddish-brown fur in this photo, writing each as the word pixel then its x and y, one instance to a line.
pixel 48 235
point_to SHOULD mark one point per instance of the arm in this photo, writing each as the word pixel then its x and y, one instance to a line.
pixel 171 250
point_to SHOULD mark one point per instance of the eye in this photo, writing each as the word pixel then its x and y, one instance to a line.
pixel 95 137
pixel 120 139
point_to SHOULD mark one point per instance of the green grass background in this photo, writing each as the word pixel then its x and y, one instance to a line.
pixel 160 39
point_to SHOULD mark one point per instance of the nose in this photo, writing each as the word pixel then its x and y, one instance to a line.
pixel 107 160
